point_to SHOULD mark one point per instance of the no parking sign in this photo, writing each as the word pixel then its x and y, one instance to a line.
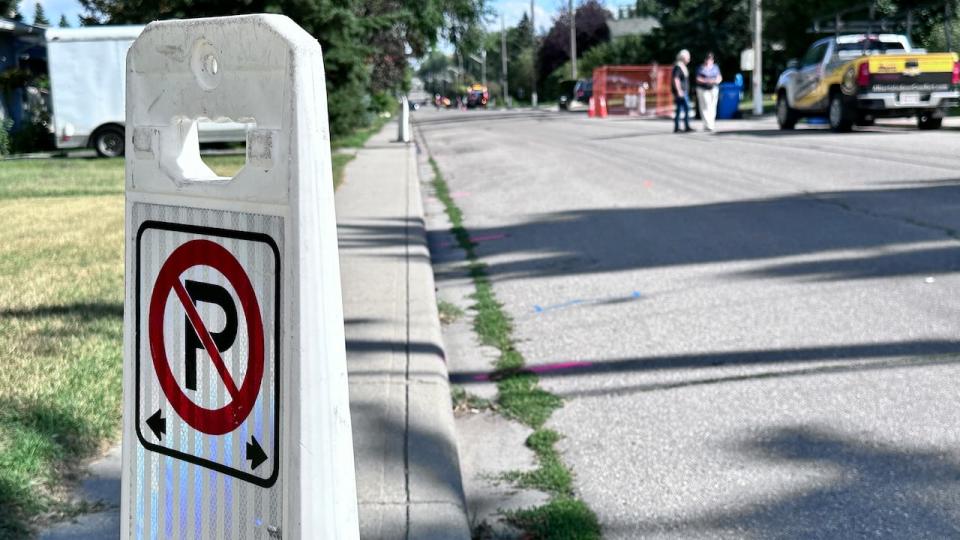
pixel 236 416
pixel 222 381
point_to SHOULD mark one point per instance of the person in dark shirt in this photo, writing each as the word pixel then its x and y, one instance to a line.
pixel 681 90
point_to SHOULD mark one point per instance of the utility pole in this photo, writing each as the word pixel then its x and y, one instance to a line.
pixel 573 42
pixel 503 62
pixel 483 68
pixel 533 58
pixel 757 58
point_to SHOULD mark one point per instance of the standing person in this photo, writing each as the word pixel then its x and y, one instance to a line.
pixel 681 91
pixel 708 77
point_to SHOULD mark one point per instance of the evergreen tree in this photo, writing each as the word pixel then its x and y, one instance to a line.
pixel 39 17
pixel 64 23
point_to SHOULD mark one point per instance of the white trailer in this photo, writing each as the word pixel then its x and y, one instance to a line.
pixel 87 89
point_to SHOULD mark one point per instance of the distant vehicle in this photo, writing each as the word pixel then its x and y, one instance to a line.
pixel 88 85
pixel 566 94
pixel 855 79
pixel 477 96
pixel 583 91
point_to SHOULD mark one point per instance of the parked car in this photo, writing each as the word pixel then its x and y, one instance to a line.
pixel 855 79
pixel 566 94
pixel 477 96
pixel 583 91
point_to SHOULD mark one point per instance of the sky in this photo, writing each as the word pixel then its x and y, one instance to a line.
pixel 512 10
pixel 53 9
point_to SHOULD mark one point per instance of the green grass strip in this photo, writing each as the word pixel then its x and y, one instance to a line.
pixel 521 397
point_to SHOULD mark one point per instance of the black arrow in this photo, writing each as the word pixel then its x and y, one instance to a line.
pixel 157 424
pixel 255 453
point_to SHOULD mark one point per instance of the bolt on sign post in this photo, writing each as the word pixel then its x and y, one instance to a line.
pixel 236 415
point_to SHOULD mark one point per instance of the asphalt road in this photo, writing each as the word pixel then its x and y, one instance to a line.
pixel 757 333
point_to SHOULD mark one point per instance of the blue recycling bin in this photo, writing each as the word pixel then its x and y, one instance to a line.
pixel 729 101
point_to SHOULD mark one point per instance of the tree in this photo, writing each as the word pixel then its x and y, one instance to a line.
pixel 366 43
pixel 591 25
pixel 624 50
pixel 64 23
pixel 8 8
pixel 39 17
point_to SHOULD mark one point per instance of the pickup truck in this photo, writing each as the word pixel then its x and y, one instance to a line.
pixel 855 79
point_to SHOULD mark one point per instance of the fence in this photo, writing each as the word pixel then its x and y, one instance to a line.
pixel 632 90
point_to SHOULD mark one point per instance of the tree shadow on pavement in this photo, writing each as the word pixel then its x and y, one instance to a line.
pixel 710 368
pixel 852 488
pixel 606 240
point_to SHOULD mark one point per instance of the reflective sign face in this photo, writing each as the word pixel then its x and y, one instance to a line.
pixel 207 341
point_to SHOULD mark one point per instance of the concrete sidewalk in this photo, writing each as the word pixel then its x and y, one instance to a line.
pixel 408 473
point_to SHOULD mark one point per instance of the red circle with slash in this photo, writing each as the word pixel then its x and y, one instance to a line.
pixel 230 416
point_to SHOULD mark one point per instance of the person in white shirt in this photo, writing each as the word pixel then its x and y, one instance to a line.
pixel 708 79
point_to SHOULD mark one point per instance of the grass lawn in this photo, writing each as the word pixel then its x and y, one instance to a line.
pixel 769 103
pixel 61 314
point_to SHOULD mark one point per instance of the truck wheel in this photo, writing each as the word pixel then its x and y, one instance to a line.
pixel 109 141
pixel 786 116
pixel 840 113
pixel 928 121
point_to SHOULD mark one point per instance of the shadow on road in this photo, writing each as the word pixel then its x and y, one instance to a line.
pixel 783 363
pixel 860 490
pixel 615 239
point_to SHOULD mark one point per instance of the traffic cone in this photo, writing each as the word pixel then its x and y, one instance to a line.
pixel 603 107
pixel 591 111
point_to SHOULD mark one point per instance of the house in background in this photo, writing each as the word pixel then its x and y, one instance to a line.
pixel 22 53
pixel 631 26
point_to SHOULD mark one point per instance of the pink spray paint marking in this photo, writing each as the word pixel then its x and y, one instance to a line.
pixel 487 238
pixel 543 368
pixel 475 240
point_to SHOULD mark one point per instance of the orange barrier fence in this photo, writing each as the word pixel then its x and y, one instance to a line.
pixel 631 90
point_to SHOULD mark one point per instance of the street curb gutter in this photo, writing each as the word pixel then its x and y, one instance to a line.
pixel 433 450
pixel 409 483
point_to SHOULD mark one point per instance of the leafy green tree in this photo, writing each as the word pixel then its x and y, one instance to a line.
pixel 591 25
pixel 366 43
pixel 39 16
pixel 64 23
pixel 624 50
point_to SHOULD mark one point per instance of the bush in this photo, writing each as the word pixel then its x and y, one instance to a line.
pixel 5 136
pixel 625 50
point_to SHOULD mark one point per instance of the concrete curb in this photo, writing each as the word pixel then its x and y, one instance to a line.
pixel 408 470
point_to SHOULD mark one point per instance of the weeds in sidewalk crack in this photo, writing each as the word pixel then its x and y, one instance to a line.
pixel 521 397
pixel 449 312
pixel 465 402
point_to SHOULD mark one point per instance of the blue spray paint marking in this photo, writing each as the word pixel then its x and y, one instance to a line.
pixel 537 308
pixel 140 516
pixel 168 496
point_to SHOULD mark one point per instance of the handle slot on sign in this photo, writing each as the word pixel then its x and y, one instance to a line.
pixel 176 147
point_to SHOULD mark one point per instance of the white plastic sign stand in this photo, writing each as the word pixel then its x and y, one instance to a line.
pixel 403 129
pixel 236 412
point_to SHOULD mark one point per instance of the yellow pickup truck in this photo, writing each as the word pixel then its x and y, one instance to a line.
pixel 856 79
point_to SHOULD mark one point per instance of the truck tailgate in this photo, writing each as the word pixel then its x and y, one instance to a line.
pixel 930 72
